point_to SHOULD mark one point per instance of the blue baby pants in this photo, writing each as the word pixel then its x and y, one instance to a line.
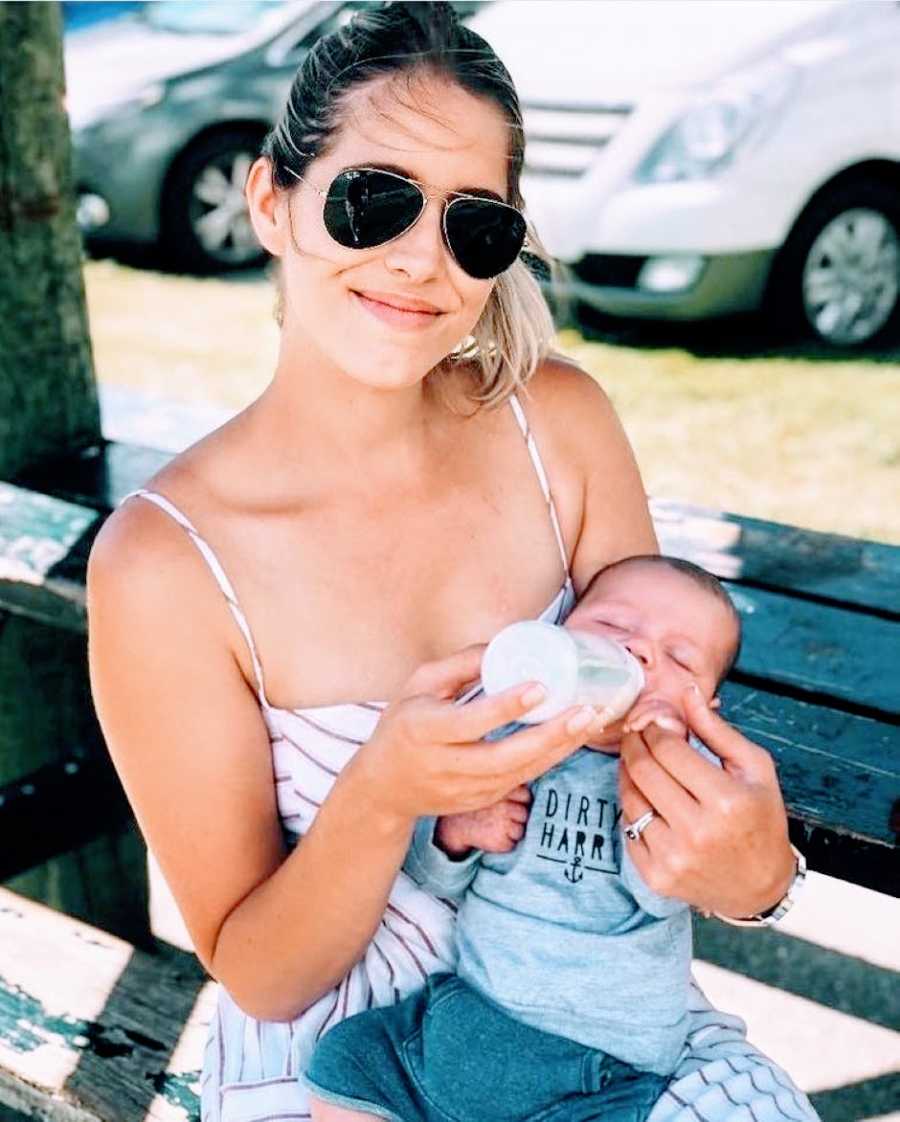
pixel 447 1054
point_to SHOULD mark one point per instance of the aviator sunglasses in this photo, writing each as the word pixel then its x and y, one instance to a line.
pixel 368 207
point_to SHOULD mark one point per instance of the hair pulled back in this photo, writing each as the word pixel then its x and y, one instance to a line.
pixel 515 330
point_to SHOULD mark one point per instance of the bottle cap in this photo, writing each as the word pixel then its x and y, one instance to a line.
pixel 533 651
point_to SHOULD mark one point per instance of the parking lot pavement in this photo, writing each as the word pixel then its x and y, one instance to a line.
pixel 820 994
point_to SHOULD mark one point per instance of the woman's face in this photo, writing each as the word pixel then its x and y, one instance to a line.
pixel 386 316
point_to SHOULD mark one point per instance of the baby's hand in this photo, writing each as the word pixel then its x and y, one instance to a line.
pixel 495 829
pixel 655 711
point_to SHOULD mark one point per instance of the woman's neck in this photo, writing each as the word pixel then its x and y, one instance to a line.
pixel 314 413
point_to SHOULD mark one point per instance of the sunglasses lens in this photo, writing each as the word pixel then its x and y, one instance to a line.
pixel 484 237
pixel 367 208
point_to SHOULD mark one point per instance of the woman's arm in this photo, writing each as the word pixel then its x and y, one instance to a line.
pixel 187 738
pixel 727 850
pixel 185 732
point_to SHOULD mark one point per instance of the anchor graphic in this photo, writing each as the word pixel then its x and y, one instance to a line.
pixel 577 872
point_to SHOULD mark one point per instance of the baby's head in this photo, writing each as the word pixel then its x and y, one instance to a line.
pixel 674 617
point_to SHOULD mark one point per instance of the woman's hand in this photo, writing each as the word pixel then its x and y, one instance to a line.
pixel 427 755
pixel 719 839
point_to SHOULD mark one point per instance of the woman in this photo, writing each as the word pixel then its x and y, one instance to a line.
pixel 382 509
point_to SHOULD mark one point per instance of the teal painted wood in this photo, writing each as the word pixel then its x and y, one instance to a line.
pixel 38 537
pixel 742 550
pixel 98 477
pixel 823 651
pixel 835 768
pixel 751 551
pixel 93 1028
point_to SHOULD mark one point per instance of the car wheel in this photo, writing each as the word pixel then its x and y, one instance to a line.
pixel 839 272
pixel 206 227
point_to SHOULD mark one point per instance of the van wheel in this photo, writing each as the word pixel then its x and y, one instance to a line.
pixel 838 274
pixel 205 222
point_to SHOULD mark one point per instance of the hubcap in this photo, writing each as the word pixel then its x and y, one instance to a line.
pixel 851 278
pixel 219 216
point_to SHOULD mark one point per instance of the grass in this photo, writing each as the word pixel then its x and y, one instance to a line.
pixel 717 416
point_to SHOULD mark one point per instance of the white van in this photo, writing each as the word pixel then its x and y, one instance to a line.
pixel 692 158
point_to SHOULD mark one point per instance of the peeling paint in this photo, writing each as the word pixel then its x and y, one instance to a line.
pixel 182 1090
pixel 25 1025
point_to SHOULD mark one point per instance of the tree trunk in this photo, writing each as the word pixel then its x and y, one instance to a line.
pixel 48 407
pixel 48 396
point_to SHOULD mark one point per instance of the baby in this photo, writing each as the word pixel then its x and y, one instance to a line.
pixel 570 998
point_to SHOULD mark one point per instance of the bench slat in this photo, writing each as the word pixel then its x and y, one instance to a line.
pixel 820 650
pixel 43 553
pixel 91 1029
pixel 845 570
pixel 76 799
pixel 98 477
pixel 816 648
pixel 836 769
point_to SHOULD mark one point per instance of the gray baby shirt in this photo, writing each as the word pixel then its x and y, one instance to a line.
pixel 562 932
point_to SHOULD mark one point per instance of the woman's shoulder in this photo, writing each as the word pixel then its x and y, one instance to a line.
pixel 566 395
pixel 141 550
pixel 591 465
pixel 150 590
pixel 568 410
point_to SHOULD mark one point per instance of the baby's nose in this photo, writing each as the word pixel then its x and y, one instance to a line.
pixel 642 651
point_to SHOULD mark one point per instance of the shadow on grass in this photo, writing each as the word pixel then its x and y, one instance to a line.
pixel 743 336
pixel 152 259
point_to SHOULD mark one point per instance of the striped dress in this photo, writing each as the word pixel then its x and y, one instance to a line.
pixel 251 1067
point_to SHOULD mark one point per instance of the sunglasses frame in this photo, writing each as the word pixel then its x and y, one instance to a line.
pixel 449 198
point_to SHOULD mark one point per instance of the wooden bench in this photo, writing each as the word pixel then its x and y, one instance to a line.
pixel 816 682
pixel 92 1030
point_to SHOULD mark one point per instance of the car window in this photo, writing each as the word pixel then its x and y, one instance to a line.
pixel 293 50
pixel 208 18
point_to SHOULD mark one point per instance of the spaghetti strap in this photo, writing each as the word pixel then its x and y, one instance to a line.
pixel 218 573
pixel 531 444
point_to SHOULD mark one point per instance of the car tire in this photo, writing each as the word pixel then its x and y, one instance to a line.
pixel 837 276
pixel 204 221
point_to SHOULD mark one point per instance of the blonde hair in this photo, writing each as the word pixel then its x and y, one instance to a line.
pixel 511 339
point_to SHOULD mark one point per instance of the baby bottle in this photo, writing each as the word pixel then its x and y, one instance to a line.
pixel 575 668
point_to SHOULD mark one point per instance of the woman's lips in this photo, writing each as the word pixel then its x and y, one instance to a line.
pixel 408 319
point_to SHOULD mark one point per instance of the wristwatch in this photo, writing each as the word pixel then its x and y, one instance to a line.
pixel 778 911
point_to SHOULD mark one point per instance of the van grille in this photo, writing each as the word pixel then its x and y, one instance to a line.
pixel 564 140
pixel 609 270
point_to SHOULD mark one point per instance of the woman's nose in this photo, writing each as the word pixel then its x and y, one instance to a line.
pixel 418 252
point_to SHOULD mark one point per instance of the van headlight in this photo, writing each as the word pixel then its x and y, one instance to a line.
pixel 705 139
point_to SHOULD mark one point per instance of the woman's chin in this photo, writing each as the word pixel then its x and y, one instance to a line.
pixel 383 369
